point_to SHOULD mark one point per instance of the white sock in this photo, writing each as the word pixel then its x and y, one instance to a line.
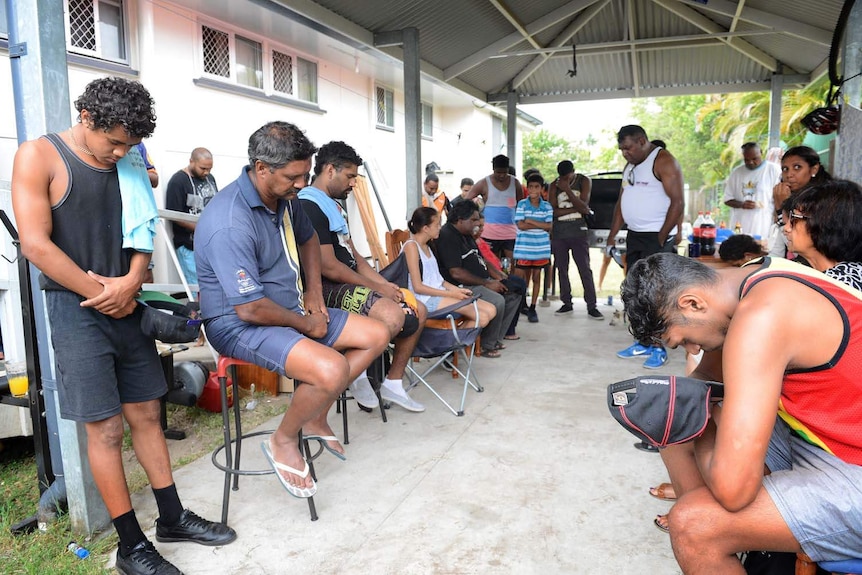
pixel 393 385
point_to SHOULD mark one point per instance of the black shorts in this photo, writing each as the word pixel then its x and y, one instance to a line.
pixel 640 245
pixel 500 246
pixel 101 362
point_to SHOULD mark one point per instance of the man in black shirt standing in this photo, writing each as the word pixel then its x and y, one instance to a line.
pixel 461 264
pixel 189 191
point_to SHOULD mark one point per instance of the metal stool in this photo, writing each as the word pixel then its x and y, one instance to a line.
pixel 805 566
pixel 231 466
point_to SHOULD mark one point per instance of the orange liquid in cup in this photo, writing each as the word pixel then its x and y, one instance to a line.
pixel 18 385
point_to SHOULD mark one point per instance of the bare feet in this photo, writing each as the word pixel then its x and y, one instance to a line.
pixel 286 452
pixel 663 491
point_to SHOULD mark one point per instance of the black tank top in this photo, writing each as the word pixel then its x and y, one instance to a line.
pixel 87 222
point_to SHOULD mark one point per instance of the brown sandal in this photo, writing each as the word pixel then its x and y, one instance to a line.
pixel 663 492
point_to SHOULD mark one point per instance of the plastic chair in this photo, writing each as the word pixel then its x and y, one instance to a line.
pixel 805 566
pixel 231 466
pixel 445 337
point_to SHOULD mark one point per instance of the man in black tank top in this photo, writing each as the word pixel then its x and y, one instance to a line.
pixel 67 204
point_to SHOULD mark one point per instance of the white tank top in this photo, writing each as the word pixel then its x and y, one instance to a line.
pixel 645 204
pixel 430 272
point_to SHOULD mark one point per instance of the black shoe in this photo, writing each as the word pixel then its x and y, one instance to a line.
pixel 191 527
pixel 143 559
pixel 595 314
pixel 565 308
pixel 532 316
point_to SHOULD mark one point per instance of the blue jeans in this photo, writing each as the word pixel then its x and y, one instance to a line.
pixel 187 264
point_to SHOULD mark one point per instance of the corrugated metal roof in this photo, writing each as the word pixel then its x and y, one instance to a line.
pixel 472 41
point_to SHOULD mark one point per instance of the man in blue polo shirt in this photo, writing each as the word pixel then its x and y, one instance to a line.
pixel 248 246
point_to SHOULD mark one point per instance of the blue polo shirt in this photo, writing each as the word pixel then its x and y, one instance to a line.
pixel 240 253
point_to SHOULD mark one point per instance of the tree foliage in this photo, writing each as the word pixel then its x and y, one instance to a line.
pixel 674 120
pixel 543 150
pixel 743 117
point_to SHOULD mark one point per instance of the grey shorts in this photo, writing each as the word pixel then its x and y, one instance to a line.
pixel 817 494
pixel 267 345
pixel 101 362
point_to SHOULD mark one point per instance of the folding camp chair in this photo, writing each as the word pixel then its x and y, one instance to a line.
pixel 447 335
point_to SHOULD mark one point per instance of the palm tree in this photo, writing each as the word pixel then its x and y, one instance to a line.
pixel 741 117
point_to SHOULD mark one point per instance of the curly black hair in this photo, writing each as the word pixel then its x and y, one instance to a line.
pixel 338 154
pixel 461 211
pixel 276 144
pixel 734 248
pixel 112 102
pixel 832 210
pixel 651 289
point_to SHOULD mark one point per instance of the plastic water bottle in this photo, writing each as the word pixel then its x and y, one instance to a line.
pixel 79 551
pixel 505 263
pixel 707 236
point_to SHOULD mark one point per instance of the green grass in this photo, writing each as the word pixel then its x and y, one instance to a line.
pixel 44 553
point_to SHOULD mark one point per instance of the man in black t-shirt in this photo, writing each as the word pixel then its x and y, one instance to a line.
pixel 189 191
pixel 349 283
pixel 462 264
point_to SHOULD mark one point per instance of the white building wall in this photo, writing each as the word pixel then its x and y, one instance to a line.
pixel 166 52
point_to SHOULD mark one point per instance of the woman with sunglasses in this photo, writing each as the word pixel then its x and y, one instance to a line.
pixel 823 224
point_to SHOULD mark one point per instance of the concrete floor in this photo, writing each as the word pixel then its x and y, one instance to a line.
pixel 536 477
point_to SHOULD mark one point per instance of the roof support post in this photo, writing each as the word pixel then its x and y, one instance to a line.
pixel 511 124
pixel 409 39
pixel 40 86
pixel 777 84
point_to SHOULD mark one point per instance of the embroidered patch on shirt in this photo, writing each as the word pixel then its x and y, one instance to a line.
pixel 244 282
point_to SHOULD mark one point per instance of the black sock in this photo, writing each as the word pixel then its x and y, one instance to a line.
pixel 129 531
pixel 169 504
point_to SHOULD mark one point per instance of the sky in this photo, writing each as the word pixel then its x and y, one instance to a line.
pixel 575 120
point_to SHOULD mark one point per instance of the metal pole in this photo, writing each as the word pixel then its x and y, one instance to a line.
pixel 40 84
pixel 412 119
pixel 775 109
pixel 511 124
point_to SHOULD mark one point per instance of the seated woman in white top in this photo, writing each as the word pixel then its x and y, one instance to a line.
pixel 430 288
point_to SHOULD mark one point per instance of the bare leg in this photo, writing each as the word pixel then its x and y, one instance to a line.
pixel 605 263
pixel 536 274
pixel 325 373
pixel 404 346
pixel 705 536
pixel 148 441
pixel 104 450
pixel 486 310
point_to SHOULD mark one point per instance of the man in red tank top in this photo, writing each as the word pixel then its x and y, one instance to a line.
pixel 783 338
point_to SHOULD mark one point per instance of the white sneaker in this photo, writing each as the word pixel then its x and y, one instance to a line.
pixel 363 393
pixel 398 396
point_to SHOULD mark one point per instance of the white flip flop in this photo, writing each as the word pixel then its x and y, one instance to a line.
pixel 322 439
pixel 298 492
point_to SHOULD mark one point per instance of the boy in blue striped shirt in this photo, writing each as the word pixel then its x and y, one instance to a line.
pixel 534 217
